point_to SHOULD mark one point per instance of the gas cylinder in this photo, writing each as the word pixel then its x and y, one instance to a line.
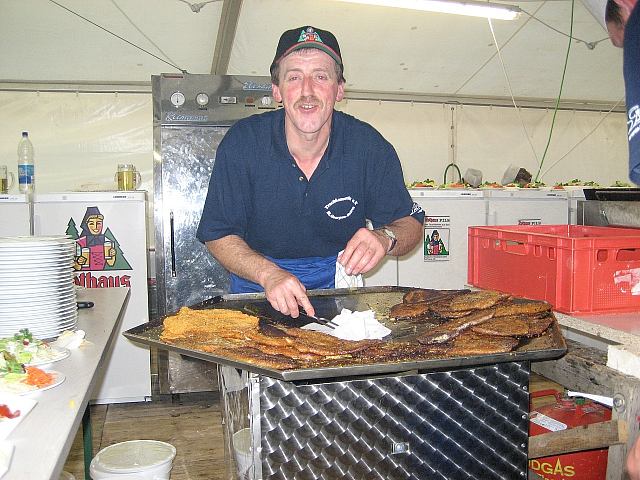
pixel 567 413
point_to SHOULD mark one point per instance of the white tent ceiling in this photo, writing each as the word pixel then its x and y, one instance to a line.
pixel 386 50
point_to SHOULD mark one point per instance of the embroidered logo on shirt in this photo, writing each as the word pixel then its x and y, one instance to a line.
pixel 634 121
pixel 415 208
pixel 340 204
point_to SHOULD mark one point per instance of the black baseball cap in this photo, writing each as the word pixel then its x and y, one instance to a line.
pixel 307 37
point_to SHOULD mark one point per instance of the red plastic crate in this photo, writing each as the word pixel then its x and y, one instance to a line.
pixel 577 269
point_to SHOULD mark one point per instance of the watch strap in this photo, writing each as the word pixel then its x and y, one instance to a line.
pixel 390 235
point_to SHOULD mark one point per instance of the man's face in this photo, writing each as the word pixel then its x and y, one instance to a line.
pixel 308 89
pixel 616 33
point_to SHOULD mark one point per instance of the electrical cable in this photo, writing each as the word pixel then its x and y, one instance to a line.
pixel 589 45
pixel 555 110
pixel 117 36
pixel 140 31
pixel 196 7
pixel 511 37
pixel 513 100
pixel 583 138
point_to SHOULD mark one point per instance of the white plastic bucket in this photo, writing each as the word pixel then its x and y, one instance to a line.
pixel 242 450
pixel 134 460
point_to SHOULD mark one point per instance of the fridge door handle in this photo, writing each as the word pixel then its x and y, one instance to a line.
pixel 493 217
pixel 172 245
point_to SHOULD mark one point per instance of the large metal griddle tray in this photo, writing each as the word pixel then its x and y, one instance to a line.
pixel 329 303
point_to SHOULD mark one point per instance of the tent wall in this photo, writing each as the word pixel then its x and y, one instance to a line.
pixel 80 138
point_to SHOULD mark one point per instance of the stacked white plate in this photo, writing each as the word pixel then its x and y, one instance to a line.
pixel 36 285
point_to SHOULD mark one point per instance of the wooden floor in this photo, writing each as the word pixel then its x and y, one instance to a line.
pixel 190 422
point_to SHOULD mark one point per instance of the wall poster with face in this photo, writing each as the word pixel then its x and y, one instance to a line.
pixel 436 238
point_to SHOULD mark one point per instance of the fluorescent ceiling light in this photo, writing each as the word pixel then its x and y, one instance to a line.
pixel 471 8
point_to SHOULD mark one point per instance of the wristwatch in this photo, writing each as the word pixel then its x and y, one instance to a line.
pixel 387 232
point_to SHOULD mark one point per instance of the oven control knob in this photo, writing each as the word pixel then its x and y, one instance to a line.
pixel 202 99
pixel 177 99
pixel 266 101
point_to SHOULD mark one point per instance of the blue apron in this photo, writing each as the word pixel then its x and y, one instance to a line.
pixel 313 272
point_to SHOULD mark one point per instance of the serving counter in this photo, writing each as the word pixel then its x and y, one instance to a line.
pixel 44 437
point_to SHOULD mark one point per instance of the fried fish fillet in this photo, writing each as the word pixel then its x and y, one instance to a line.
pixel 472 343
pixel 409 310
pixel 512 326
pixel 443 313
pixel 429 295
pixel 388 352
pixel 254 356
pixel 521 307
pixel 476 300
pixel 538 325
pixel 451 329
pixel 324 344
pixel 210 322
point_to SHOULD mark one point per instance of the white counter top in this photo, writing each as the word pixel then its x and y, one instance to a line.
pixel 43 439
pixel 619 334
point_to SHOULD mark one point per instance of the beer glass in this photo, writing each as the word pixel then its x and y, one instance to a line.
pixel 127 177
pixel 86 253
pixel 108 245
pixel 6 179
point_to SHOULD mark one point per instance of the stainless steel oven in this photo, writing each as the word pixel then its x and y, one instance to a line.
pixel 191 115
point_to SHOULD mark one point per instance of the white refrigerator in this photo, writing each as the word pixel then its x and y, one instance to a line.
pixel 14 215
pixel 111 252
pixel 440 259
pixel 574 195
pixel 527 207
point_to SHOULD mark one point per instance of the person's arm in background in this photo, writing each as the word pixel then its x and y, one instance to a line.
pixel 283 290
pixel 633 461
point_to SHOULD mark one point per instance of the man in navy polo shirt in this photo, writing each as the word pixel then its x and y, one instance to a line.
pixel 623 23
pixel 292 189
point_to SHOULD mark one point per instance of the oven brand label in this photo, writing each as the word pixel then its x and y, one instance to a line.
pixel 250 85
pixel 183 117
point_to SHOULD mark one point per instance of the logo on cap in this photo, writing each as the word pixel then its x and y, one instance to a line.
pixel 309 35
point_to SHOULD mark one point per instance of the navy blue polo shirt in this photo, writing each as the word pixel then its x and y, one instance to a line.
pixel 631 55
pixel 258 192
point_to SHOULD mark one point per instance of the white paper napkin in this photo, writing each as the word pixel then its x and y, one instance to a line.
pixel 342 280
pixel 353 326
pixel 69 339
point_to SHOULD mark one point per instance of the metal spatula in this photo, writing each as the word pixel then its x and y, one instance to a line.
pixel 319 320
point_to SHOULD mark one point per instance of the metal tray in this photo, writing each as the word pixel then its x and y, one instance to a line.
pixel 328 303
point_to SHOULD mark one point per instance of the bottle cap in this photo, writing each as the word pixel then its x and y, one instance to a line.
pixel 25 133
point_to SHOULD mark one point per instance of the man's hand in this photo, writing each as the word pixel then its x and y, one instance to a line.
pixel 285 292
pixel 364 251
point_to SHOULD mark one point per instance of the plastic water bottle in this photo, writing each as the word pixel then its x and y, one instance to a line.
pixel 25 164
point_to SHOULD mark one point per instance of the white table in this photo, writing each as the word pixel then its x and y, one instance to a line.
pixel 43 439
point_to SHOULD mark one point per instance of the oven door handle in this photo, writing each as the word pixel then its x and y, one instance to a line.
pixel 172 245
